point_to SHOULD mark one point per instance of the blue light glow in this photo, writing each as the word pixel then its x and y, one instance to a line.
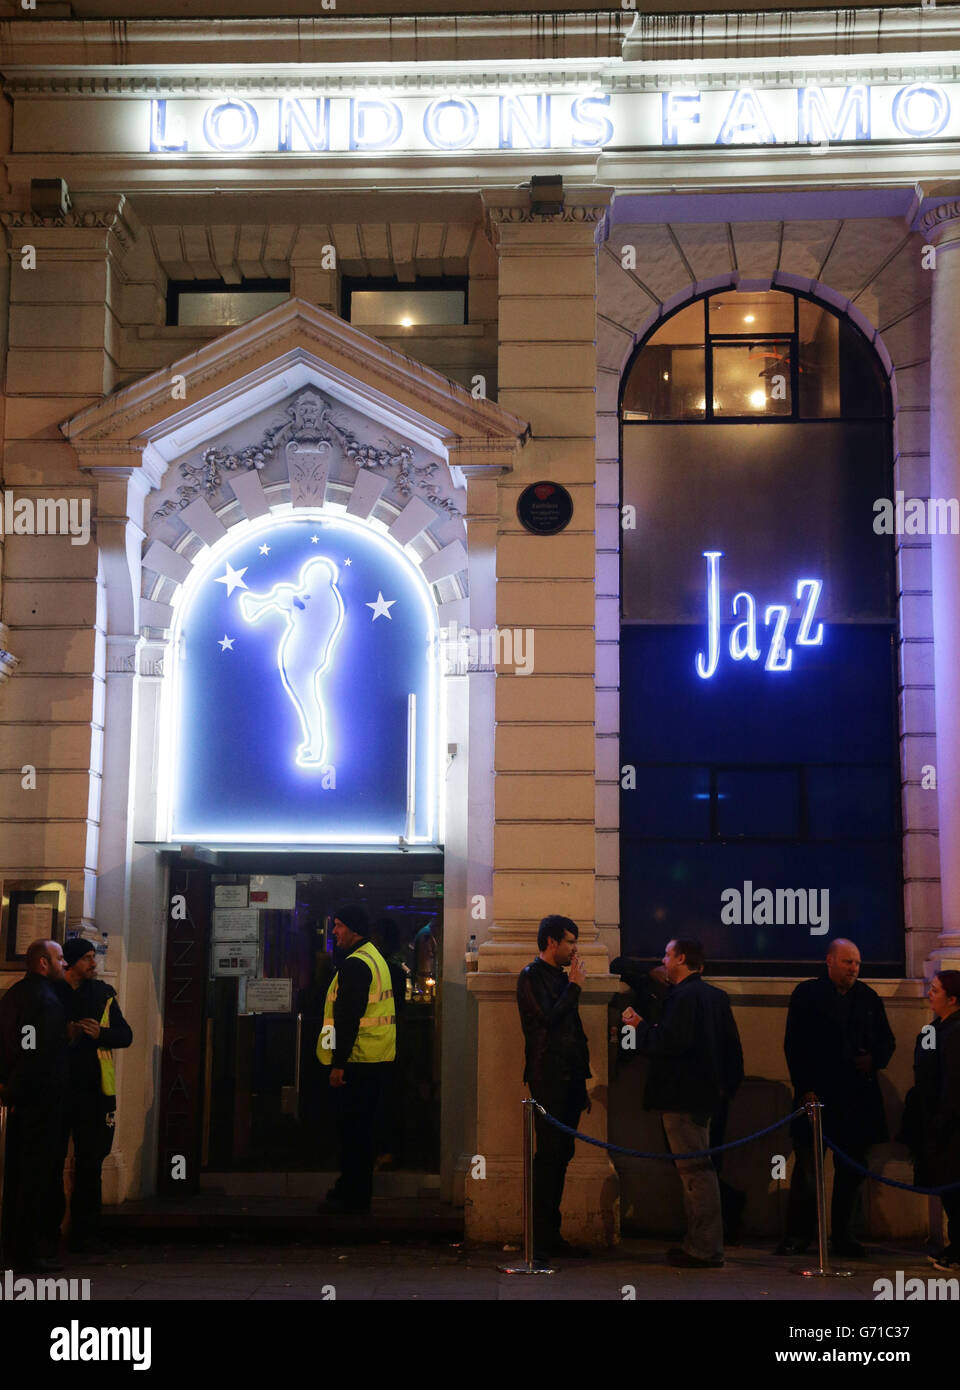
pixel 253 732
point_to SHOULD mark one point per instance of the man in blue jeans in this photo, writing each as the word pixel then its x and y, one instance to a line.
pixel 696 1062
pixel 557 1067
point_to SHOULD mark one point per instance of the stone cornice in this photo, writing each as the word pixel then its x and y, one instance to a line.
pixel 709 71
pixel 940 222
pixel 115 219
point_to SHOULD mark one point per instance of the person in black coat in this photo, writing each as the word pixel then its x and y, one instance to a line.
pixel 89 1112
pixel 932 1109
pixel 696 1062
pixel 837 1040
pixel 33 1078
pixel 557 1069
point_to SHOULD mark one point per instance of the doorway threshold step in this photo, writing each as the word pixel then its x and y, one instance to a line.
pixel 391 1218
pixel 316 1185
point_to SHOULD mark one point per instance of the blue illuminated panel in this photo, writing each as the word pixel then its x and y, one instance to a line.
pixel 296 650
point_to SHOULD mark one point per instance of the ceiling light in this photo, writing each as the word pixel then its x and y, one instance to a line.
pixel 758 399
pixel 749 318
pixel 406 323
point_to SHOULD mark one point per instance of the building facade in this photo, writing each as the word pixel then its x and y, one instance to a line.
pixel 295 317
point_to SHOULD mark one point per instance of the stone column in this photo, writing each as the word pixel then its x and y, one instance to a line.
pixel 940 227
pixel 123 482
pixel 543 843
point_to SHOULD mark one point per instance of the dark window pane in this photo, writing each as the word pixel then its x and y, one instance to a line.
pixel 751 378
pixel 851 801
pixel 758 803
pixel 863 385
pixel 672 801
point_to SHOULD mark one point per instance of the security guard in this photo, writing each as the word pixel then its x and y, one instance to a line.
pixel 96 1026
pixel 358 1039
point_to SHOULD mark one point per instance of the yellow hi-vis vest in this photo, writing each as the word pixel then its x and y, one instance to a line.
pixel 108 1074
pixel 377 1034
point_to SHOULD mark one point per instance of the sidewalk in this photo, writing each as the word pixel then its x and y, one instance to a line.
pixel 242 1270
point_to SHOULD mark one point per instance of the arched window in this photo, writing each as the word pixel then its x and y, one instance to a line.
pixel 760 787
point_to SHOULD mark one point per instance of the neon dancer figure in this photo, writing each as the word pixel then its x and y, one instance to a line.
pixel 314 612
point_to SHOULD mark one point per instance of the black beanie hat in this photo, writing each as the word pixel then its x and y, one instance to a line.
pixel 75 949
pixel 352 915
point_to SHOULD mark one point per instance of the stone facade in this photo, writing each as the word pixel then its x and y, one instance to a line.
pixel 176 435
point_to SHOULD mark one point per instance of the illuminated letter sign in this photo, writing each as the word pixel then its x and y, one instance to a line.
pixel 815 123
pixel 302 703
pixel 451 124
pixel 743 637
pixel 230 125
pixel 374 125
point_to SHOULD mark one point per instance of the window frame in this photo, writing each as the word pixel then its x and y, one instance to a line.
pixel 175 288
pixel 710 417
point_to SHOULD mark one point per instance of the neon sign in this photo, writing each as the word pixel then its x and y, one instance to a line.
pixel 742 643
pixel 314 613
pixel 547 120
pixel 302 704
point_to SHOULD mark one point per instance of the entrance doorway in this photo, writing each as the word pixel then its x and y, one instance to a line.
pixel 264 1098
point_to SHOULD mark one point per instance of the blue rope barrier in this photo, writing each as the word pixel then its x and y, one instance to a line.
pixel 888 1182
pixel 637 1153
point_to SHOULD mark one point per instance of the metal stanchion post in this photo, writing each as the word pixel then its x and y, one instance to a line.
pixel 530 1265
pixel 815 1113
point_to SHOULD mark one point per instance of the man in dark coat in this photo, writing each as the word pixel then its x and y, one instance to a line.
pixel 837 1040
pixel 33 1075
pixel 95 1027
pixel 932 1110
pixel 696 1063
pixel 557 1068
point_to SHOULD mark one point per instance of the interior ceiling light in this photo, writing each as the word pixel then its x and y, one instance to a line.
pixel 749 318
pixel 758 398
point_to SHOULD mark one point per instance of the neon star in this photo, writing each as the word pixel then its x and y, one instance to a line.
pixel 227 644
pixel 233 579
pixel 314 540
pixel 348 562
pixel 381 609
pixel 264 550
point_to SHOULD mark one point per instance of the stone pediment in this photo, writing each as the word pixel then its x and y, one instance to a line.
pixel 166 415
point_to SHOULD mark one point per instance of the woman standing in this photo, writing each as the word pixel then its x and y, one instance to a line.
pixel 935 1105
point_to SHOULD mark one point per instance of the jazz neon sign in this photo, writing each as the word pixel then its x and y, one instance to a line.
pixel 743 641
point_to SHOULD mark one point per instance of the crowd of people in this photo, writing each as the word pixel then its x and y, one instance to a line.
pixel 837 1042
pixel 60 1025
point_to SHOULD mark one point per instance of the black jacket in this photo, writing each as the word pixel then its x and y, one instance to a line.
pixel 696 1060
pixel 825 1033
pixel 556 1045
pixel 932 1109
pixel 89 1000
pixel 33 1075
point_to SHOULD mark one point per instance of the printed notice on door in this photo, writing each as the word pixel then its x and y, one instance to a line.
pixel 236 924
pixel 269 996
pixel 34 922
